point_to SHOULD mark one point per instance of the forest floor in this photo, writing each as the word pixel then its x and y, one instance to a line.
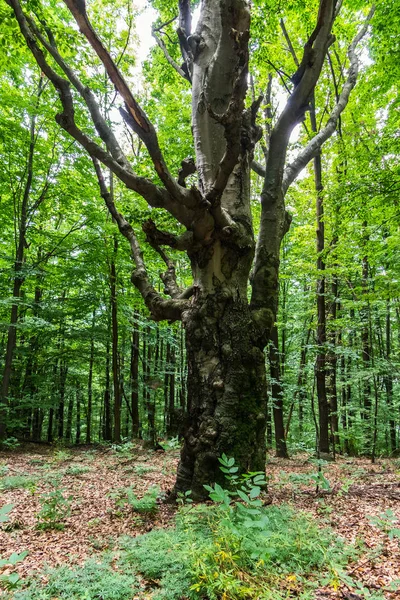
pixel 361 504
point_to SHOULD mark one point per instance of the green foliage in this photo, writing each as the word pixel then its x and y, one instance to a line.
pixel 4 510
pixel 10 443
pixel 143 469
pixel 55 507
pixel 10 581
pixel 13 482
pixel 173 443
pixel 94 580
pixel 77 470
pixel 146 504
pixel 238 549
pixel 126 497
pixel 124 450
pixel 62 456
pixel 387 522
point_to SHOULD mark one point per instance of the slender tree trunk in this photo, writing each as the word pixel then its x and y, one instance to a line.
pixel 366 348
pixel 90 383
pixel 68 429
pixel 114 328
pixel 389 380
pixel 50 425
pixel 277 395
pixel 60 412
pixel 300 390
pixel 135 379
pixel 107 395
pixel 332 362
pixel 148 400
pixel 78 414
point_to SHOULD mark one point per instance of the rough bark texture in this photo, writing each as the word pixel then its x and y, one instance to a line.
pixel 225 334
pixel 226 393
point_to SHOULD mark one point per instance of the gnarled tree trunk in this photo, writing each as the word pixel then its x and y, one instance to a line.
pixel 225 332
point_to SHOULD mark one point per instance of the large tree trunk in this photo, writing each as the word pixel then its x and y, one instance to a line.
pixel 226 393
pixel 225 336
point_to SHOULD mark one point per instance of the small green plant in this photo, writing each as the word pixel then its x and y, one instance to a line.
pixel 171 444
pixel 55 508
pixel 77 470
pixel 124 450
pixel 3 470
pixel 61 456
pixel 10 581
pixel 387 522
pixel 143 469
pixel 4 510
pixel 126 497
pixel 13 482
pixel 95 580
pixel 184 498
pixel 146 504
pixel 10 443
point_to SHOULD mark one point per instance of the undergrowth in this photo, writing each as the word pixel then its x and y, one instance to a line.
pixel 94 580
pixel 236 549
pixel 13 482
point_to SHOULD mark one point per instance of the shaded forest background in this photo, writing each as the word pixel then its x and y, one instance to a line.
pixel 80 361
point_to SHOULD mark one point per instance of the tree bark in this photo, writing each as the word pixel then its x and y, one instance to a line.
pixel 135 379
pixel 277 395
pixel 90 382
pixel 21 244
pixel 226 393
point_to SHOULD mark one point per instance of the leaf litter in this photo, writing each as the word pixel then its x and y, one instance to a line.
pixel 361 504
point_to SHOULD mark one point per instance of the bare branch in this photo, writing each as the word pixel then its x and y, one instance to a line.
pixel 169 58
pixel 160 308
pixel 289 43
pixel 104 131
pixel 313 147
pixel 154 195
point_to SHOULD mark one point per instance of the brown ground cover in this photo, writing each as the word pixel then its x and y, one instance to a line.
pixel 358 491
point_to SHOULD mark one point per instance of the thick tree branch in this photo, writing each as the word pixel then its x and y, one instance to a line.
pixel 183 242
pixel 159 307
pixel 184 30
pixel 231 120
pixel 155 239
pixel 134 115
pixel 188 167
pixel 154 195
pixel 274 221
pixel 313 147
